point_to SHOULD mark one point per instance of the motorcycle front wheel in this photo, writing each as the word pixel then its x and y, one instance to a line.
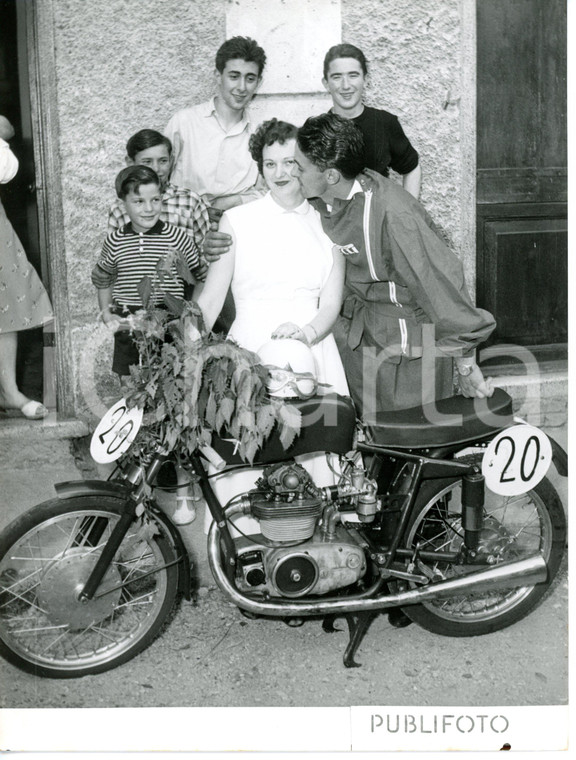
pixel 515 527
pixel 47 555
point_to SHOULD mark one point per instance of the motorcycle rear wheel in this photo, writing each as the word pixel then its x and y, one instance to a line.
pixel 514 528
pixel 46 557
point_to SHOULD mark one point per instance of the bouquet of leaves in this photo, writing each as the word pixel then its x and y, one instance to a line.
pixel 193 384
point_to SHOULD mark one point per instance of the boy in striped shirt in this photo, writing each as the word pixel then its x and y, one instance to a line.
pixel 133 252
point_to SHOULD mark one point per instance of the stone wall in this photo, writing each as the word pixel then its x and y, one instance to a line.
pixel 414 60
pixel 122 65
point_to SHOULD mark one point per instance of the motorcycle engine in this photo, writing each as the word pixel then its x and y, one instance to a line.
pixel 297 555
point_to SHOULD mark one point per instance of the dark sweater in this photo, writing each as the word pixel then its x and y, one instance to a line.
pixel 386 144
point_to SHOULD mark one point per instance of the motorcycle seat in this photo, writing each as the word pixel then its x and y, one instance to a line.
pixel 447 421
pixel 328 424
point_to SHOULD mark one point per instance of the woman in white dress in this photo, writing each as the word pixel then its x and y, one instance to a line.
pixel 286 276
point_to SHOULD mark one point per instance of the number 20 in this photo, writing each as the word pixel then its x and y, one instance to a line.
pixel 119 435
pixel 523 475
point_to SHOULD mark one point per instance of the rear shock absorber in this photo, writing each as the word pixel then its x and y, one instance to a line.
pixel 472 510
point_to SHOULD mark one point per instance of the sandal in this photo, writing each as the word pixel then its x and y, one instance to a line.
pixel 31 410
pixel 34 410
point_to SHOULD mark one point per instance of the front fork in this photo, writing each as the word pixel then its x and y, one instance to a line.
pixel 121 528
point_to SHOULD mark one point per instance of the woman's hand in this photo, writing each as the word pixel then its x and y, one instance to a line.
pixel 290 330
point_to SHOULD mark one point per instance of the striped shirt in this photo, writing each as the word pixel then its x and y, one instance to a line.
pixel 180 207
pixel 128 256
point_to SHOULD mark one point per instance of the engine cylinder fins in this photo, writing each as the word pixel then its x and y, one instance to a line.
pixel 279 510
pixel 295 575
pixel 294 529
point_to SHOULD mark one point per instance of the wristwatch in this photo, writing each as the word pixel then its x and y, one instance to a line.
pixel 465 369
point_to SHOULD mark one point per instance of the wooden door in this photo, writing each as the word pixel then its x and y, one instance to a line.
pixel 522 174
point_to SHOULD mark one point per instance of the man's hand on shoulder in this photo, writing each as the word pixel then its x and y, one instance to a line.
pixel 227 201
pixel 215 243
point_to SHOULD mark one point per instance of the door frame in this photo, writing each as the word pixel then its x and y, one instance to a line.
pixel 38 17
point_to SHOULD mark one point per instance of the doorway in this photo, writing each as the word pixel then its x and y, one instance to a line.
pixel 522 247
pixel 35 370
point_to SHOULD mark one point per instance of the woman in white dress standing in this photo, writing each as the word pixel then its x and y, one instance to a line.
pixel 286 276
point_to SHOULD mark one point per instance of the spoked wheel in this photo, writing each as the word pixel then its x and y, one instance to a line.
pixel 515 527
pixel 47 555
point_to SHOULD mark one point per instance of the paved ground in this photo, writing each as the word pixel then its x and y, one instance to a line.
pixel 212 656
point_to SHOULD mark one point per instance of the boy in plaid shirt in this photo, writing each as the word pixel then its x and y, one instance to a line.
pixel 181 207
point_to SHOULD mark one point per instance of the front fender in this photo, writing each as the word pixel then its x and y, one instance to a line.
pixel 69 489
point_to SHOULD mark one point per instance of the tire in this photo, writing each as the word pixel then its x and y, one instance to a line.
pixel 514 527
pixel 45 558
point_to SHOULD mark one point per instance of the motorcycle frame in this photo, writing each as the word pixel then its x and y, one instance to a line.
pixel 428 465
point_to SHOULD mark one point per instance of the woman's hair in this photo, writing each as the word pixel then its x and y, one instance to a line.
pixel 268 133
pixel 243 48
pixel 330 141
pixel 132 177
pixel 144 139
pixel 344 50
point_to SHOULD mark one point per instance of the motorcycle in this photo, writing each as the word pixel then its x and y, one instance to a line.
pixel 443 511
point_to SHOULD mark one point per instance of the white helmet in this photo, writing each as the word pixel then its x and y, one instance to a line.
pixel 291 367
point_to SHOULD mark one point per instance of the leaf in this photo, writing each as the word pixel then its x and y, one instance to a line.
pixel 174 304
pixel 210 414
pixel 287 436
pixel 248 450
pixel 148 530
pixel 145 291
pixel 246 419
pixel 183 269
pixel 291 422
pixel 265 420
pixel 227 408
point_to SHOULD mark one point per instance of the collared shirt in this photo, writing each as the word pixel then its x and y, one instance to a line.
pixel 128 256
pixel 356 188
pixel 212 161
pixel 180 207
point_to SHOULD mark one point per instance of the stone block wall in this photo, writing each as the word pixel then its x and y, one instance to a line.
pixel 122 65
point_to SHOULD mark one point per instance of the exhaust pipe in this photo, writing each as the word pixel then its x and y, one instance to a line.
pixel 517 574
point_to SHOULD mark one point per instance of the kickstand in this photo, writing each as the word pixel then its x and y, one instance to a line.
pixel 358 624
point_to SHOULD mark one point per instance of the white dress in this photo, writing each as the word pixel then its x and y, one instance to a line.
pixel 283 260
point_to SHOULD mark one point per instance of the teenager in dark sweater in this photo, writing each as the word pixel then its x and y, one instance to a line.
pixel 387 147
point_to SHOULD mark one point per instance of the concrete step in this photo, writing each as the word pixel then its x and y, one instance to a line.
pixel 540 398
